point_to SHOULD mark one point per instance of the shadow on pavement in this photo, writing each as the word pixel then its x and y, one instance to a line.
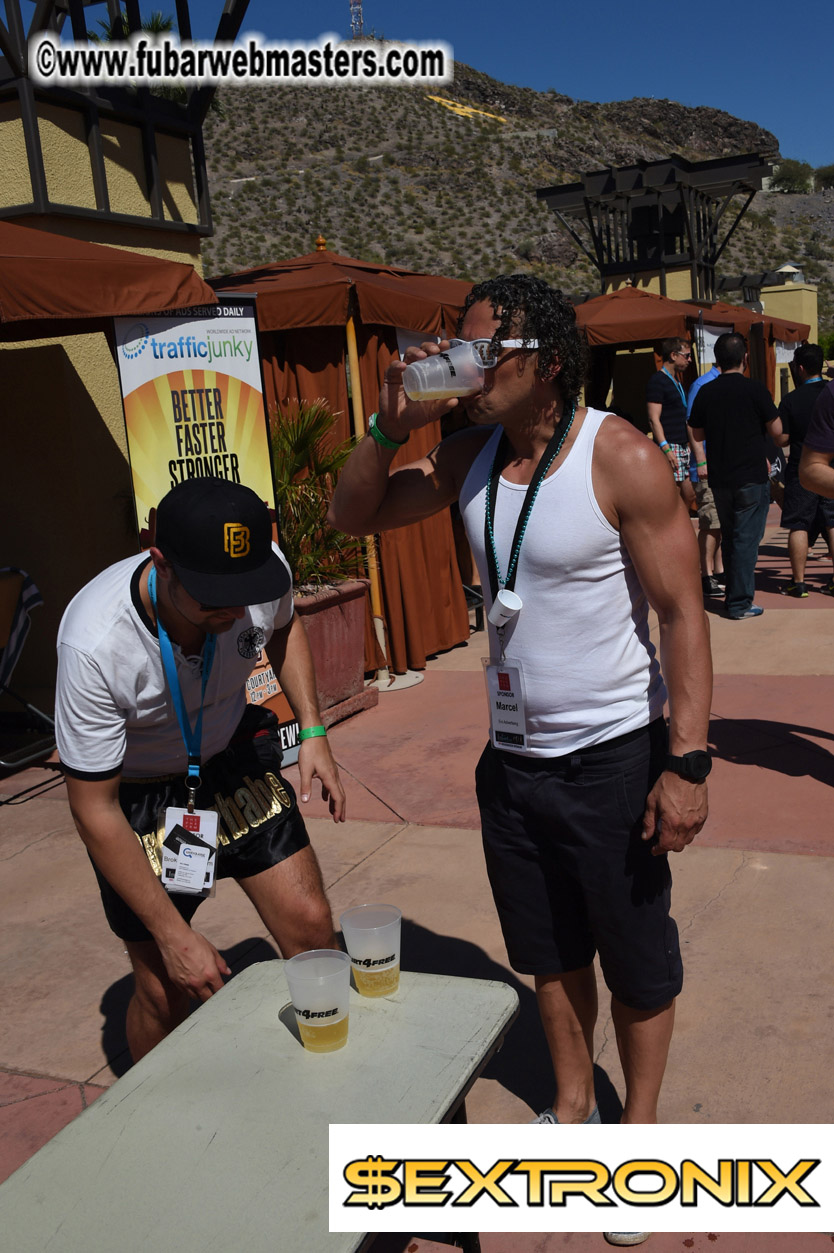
pixel 523 1065
pixel 115 1000
pixel 752 741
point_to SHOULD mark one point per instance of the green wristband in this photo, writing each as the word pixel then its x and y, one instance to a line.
pixel 312 733
pixel 700 463
pixel 377 434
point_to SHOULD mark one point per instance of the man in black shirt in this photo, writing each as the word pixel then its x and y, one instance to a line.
pixel 666 409
pixel 804 514
pixel 734 414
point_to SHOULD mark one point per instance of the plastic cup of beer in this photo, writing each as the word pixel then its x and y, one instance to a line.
pixel 457 372
pixel 372 937
pixel 319 984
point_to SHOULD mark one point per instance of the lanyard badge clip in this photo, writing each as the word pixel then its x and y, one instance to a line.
pixel 192 782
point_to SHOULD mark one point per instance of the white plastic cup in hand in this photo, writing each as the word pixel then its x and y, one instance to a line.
pixel 505 606
pixel 319 983
pixel 457 372
pixel 372 937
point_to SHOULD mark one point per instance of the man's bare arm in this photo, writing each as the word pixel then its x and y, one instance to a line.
pixel 370 497
pixel 654 410
pixel 644 504
pixel 289 653
pixel 192 962
pixel 696 447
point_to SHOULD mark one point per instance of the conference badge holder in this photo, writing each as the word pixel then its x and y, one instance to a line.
pixel 507 703
pixel 189 851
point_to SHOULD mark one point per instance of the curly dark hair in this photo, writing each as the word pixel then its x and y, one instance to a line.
pixel 529 308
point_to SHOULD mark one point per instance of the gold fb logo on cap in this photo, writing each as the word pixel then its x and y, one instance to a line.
pixel 236 539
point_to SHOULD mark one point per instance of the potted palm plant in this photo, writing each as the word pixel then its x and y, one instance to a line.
pixel 327 565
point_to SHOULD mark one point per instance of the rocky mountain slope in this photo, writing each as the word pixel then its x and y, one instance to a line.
pixel 444 180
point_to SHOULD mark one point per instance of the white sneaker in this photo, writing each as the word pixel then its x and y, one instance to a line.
pixel 626 1237
pixel 547 1115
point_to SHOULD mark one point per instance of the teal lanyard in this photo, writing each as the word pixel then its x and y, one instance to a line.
pixel 677 384
pixel 191 738
pixel 546 460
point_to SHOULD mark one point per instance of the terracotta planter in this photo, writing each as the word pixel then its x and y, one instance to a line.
pixel 334 618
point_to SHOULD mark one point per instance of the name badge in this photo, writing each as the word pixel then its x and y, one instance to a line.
pixel 507 704
pixel 189 851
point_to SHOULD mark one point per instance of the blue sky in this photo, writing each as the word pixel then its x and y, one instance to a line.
pixel 746 62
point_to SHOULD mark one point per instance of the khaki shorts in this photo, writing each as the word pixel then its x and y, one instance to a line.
pixel 707 512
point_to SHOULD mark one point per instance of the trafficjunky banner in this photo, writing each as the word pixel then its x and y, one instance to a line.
pixel 193 402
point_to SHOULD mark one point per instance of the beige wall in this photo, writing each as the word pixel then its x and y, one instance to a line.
pixel 678 283
pixel 797 302
pixel 64 480
pixel 64 473
pixel 15 184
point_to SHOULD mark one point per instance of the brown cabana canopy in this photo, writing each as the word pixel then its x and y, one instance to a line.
pixel 721 314
pixel 46 278
pixel 631 316
pixel 424 606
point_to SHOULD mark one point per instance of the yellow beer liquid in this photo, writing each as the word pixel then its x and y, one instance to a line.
pixel 326 1039
pixel 443 393
pixel 377 982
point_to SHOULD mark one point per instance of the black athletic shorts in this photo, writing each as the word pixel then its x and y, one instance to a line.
pixel 803 510
pixel 259 823
pixel 569 871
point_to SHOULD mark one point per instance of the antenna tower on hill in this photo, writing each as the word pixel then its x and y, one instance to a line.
pixel 355 19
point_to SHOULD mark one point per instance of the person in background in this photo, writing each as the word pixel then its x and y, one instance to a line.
pixel 666 408
pixel 735 414
pixel 713 579
pixel 805 515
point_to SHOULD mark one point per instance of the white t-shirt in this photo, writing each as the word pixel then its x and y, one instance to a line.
pixel 113 710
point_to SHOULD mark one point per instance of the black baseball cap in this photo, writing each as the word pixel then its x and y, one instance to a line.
pixel 218 537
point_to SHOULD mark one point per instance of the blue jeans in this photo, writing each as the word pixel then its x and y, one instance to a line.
pixel 742 512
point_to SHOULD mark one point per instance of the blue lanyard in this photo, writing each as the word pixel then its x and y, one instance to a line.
pixel 677 384
pixel 192 739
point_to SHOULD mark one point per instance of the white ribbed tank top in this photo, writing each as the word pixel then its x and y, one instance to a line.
pixel 582 636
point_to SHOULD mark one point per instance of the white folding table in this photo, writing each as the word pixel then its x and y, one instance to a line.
pixel 218 1139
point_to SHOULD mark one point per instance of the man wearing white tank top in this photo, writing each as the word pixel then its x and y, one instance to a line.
pixel 577 528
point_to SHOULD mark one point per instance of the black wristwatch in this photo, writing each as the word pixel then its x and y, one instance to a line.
pixel 694 766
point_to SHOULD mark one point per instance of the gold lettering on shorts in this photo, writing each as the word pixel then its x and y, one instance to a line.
pixel 249 806
pixel 264 796
pixel 152 844
pixel 278 790
pixel 230 817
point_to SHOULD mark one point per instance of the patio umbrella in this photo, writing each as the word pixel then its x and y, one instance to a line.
pixel 47 278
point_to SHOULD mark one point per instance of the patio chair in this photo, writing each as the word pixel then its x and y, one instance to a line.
pixel 26 736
